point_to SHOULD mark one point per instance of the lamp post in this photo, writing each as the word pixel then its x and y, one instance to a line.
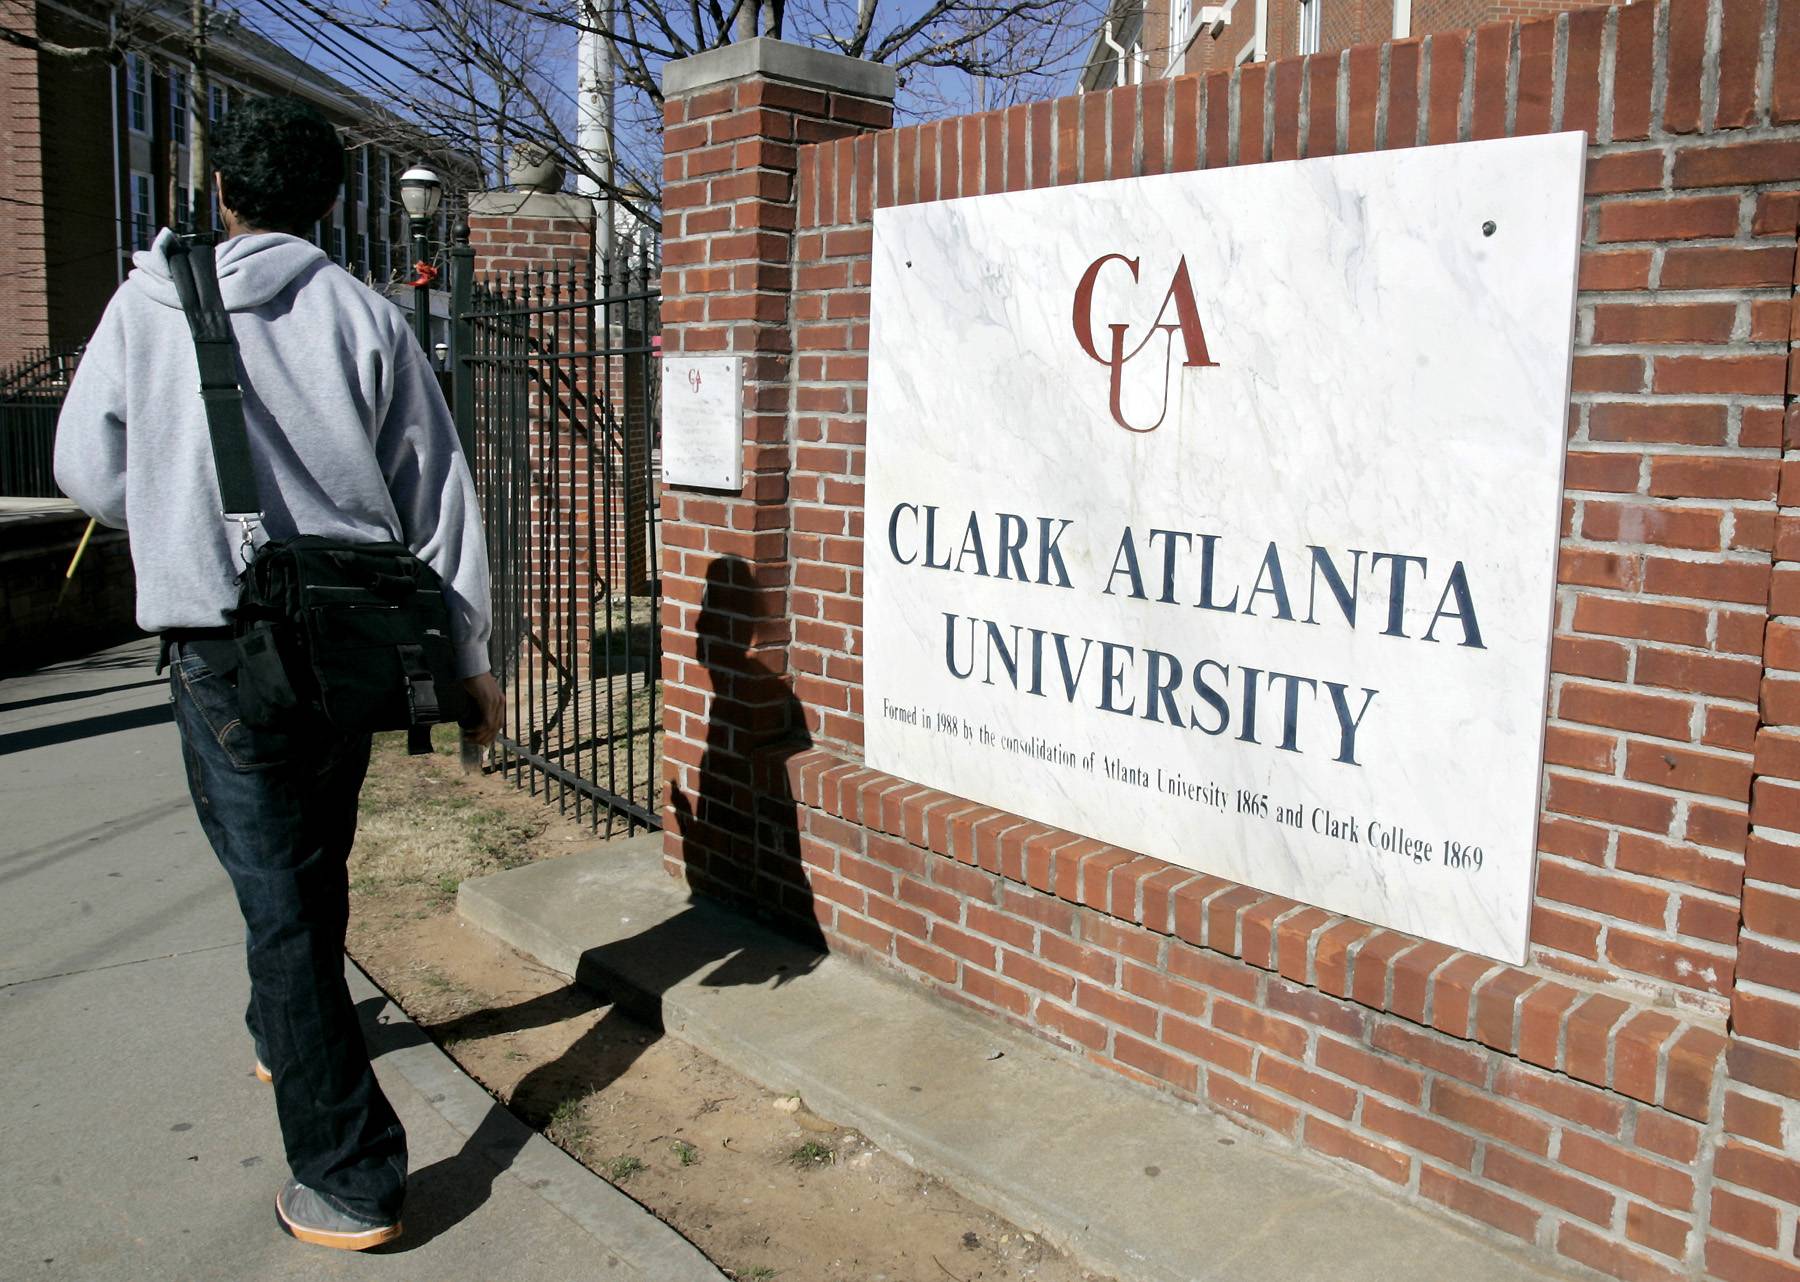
pixel 420 192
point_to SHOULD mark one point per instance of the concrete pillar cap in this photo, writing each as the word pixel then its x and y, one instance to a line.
pixel 779 60
pixel 531 204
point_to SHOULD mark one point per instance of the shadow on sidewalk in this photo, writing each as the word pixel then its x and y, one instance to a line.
pixel 69 696
pixel 86 728
pixel 441 1195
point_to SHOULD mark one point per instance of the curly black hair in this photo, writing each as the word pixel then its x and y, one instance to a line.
pixel 280 164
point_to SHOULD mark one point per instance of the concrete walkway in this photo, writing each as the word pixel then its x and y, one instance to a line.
pixel 1128 1181
pixel 134 1142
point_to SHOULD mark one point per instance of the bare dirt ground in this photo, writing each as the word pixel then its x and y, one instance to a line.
pixel 765 1187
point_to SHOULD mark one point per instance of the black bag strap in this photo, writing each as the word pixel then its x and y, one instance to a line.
pixel 195 272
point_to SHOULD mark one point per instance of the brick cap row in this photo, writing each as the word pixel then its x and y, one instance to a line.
pixel 1648 1054
pixel 778 60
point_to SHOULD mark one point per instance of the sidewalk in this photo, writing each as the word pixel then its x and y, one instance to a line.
pixel 134 1142
pixel 1128 1181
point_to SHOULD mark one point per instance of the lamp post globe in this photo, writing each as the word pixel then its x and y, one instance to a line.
pixel 420 191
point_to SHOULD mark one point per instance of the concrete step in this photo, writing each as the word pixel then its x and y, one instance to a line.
pixel 1129 1181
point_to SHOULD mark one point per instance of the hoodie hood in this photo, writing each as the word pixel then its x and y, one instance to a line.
pixel 253 269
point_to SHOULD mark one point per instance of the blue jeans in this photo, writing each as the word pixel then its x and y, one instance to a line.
pixel 280 811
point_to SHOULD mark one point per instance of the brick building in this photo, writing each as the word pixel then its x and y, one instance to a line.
pixel 121 91
pixel 1143 40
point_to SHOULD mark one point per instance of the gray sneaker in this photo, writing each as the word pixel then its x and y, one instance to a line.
pixel 310 1216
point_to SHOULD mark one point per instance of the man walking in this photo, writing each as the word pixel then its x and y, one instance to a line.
pixel 349 437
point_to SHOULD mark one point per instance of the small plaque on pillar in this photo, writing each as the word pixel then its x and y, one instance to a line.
pixel 702 422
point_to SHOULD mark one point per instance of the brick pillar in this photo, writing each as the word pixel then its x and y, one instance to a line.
pixel 534 253
pixel 734 120
pixel 519 231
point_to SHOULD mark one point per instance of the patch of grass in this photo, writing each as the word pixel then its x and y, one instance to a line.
pixel 623 1167
pixel 761 1273
pixel 566 1125
pixel 437 981
pixel 810 1154
pixel 423 828
pixel 686 1152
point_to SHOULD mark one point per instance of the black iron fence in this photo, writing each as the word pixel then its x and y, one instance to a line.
pixel 31 396
pixel 556 396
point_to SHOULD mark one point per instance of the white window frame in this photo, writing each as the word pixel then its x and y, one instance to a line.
pixel 218 103
pixel 362 175
pixel 137 94
pixel 142 228
pixel 183 199
pixel 1309 27
pixel 1181 25
pixel 178 106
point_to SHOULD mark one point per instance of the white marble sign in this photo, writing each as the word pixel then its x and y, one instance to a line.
pixel 1215 516
pixel 702 421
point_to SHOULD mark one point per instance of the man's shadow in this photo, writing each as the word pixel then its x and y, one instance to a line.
pixel 742 846
pixel 740 824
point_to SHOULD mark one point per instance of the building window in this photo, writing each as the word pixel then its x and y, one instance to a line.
pixel 362 176
pixel 182 214
pixel 1309 26
pixel 137 94
pixel 178 107
pixel 143 211
pixel 219 105
pixel 1181 21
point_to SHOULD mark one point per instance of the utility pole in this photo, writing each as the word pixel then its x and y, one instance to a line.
pixel 596 85
pixel 199 120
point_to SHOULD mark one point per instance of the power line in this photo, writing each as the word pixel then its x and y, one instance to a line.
pixel 47 268
pixel 314 36
pixel 66 210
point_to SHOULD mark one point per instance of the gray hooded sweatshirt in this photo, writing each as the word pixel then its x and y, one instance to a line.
pixel 349 434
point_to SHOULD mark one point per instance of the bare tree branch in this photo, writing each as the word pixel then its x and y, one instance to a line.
pixel 492 76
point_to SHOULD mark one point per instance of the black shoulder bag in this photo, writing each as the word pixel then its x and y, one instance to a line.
pixel 350 634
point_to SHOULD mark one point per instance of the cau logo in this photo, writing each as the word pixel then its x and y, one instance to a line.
pixel 1186 323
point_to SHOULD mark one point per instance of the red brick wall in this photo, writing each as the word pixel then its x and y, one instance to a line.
pixel 506 244
pixel 24 305
pixel 1630 1099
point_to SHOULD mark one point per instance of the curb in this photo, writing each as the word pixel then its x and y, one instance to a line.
pixel 639 1244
